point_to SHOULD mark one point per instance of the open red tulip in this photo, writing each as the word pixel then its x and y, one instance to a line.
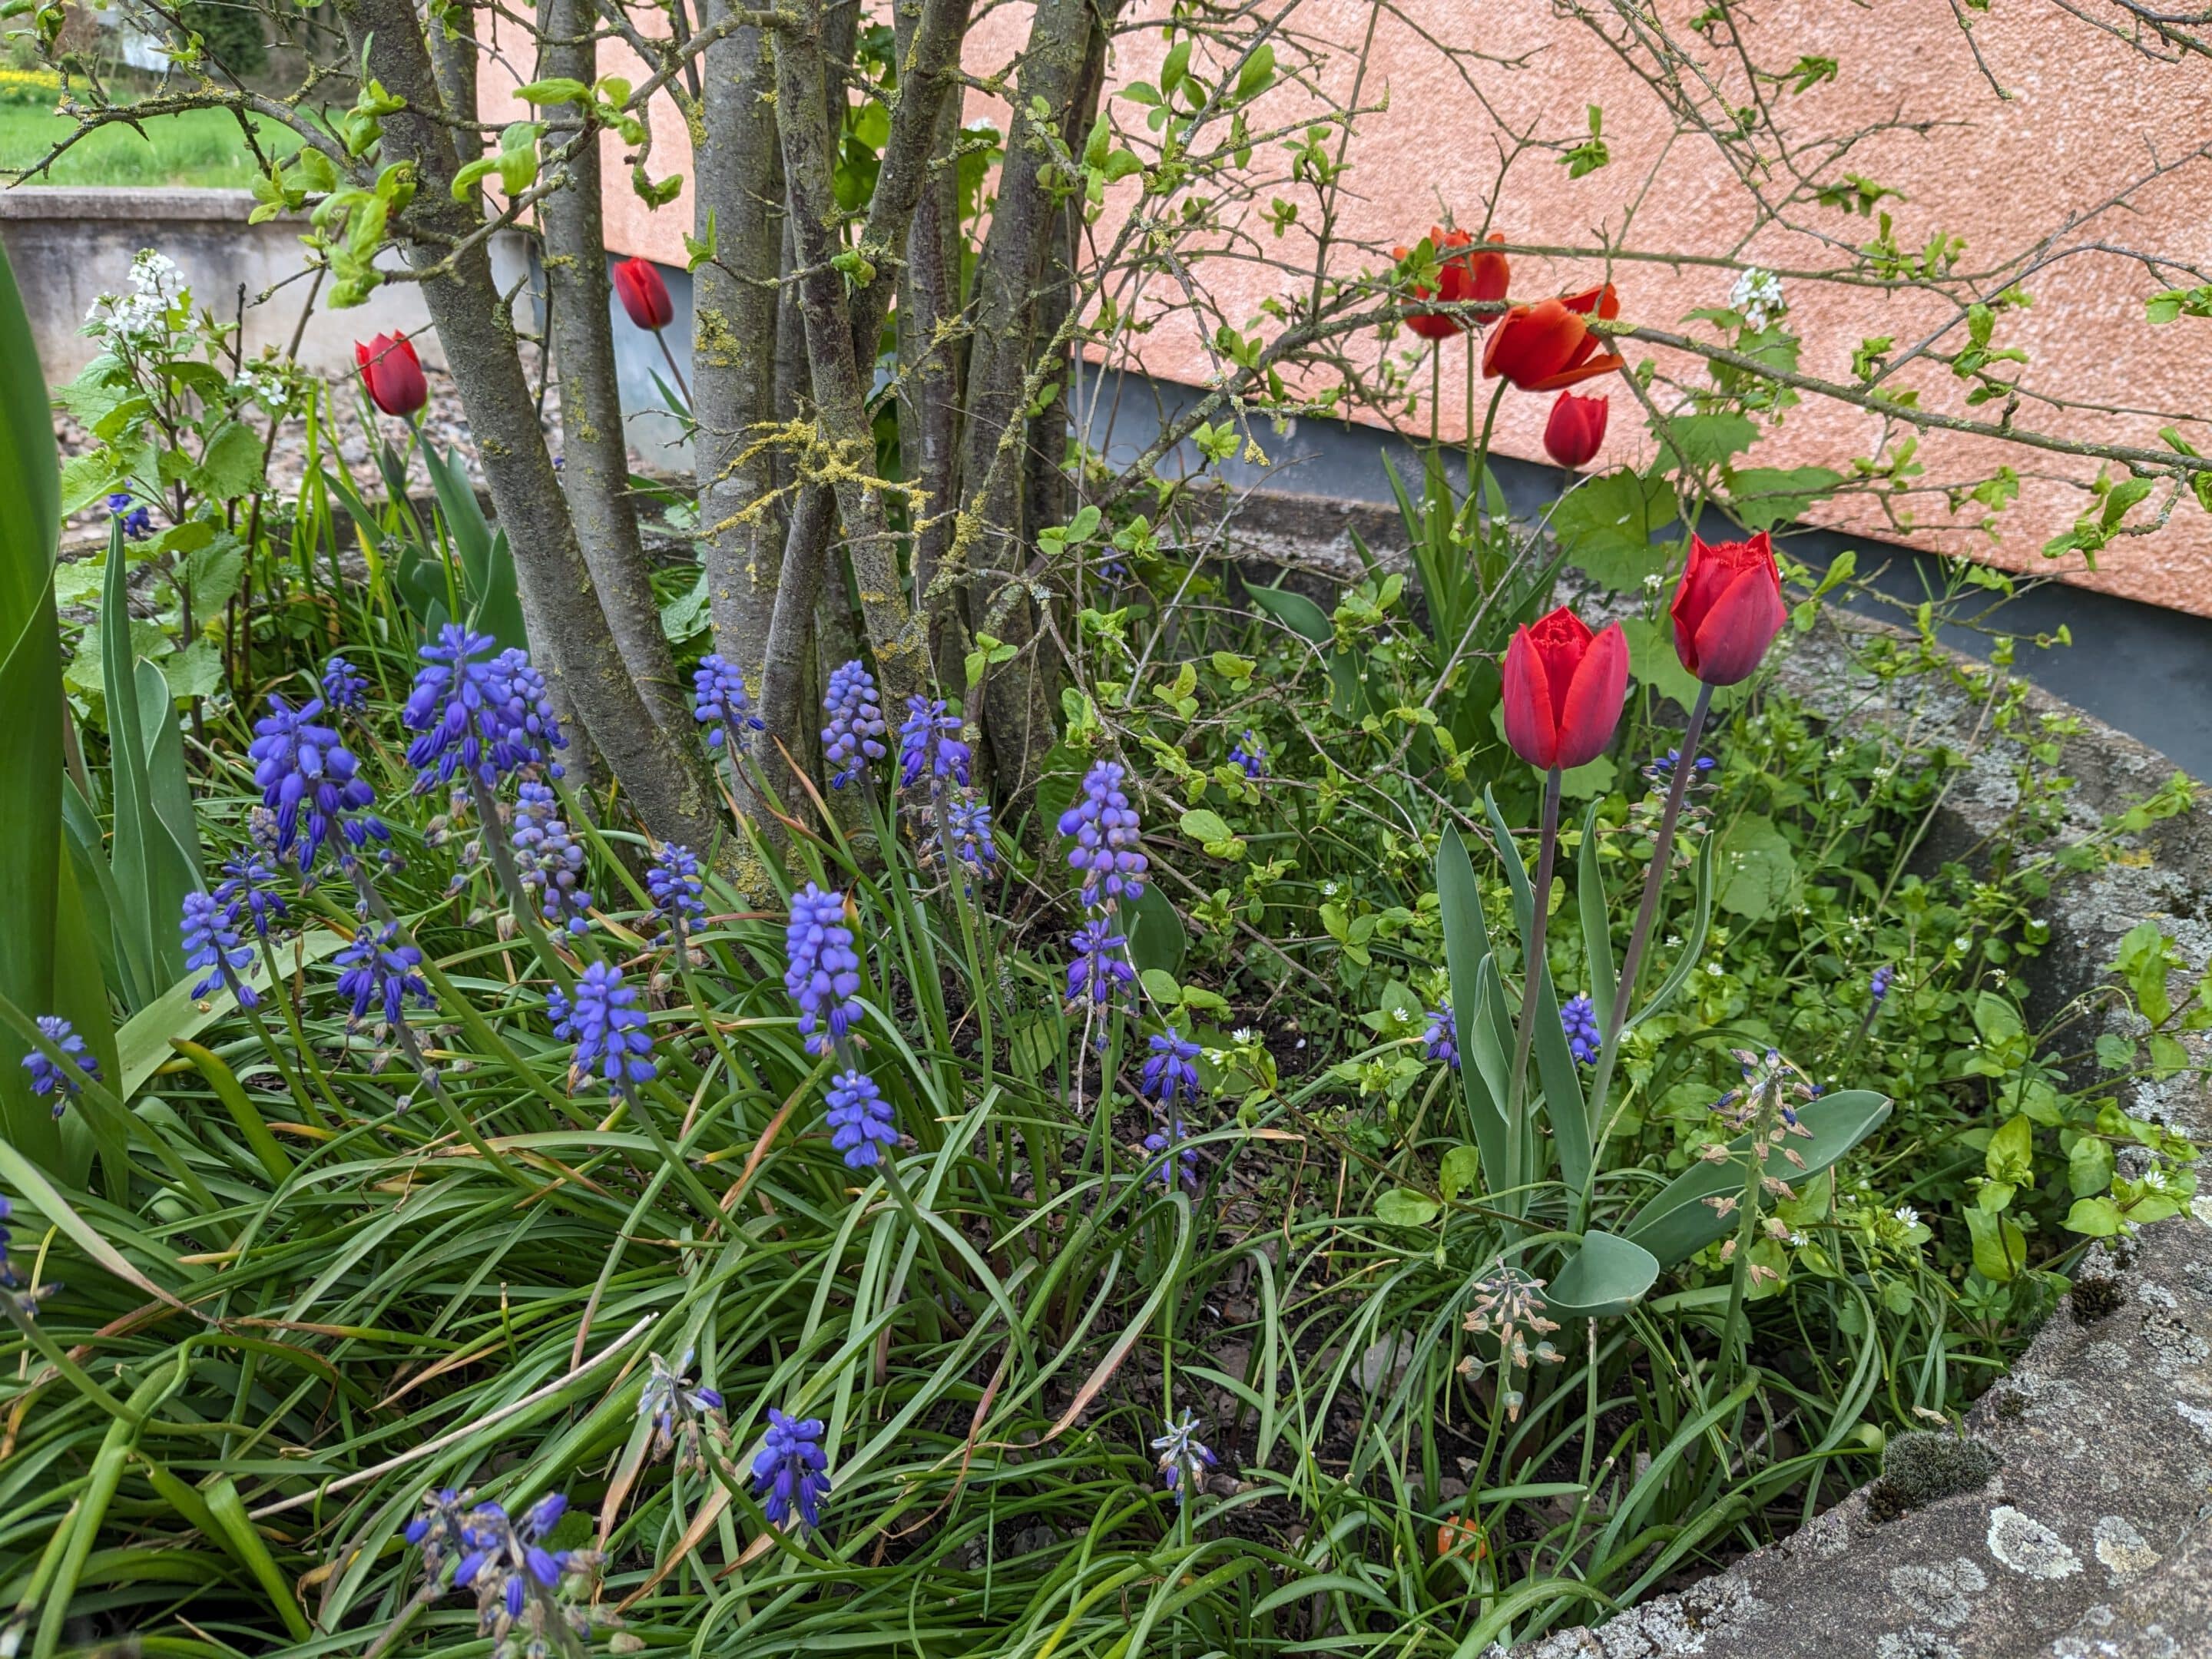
pixel 1478 274
pixel 1564 690
pixel 1576 430
pixel 1452 280
pixel 1546 346
pixel 1728 608
pixel 643 295
pixel 393 373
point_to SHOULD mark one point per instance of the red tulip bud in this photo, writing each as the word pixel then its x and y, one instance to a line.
pixel 1728 609
pixel 1434 324
pixel 1564 690
pixel 1545 346
pixel 393 373
pixel 643 295
pixel 1576 430
pixel 1477 274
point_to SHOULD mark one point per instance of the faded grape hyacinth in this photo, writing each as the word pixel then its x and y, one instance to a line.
pixel 1168 1076
pixel 381 975
pixel 1440 1039
pixel 311 781
pixel 677 1409
pixel 788 1473
pixel 609 1028
pixel 824 971
pixel 549 860
pixel 531 1598
pixel 212 943
pixel 1098 966
pixel 479 708
pixel 1578 1019
pixel 855 736
pixel 860 1120
pixel 929 744
pixel 719 702
pixel 20 1295
pixel 678 886
pixel 49 1077
pixel 1103 826
pixel 1183 1459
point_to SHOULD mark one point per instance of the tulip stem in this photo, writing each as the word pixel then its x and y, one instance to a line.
pixel 669 357
pixel 1533 972
pixel 1478 465
pixel 1436 391
pixel 1647 912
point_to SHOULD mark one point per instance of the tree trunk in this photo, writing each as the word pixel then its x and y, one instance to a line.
pixel 454 61
pixel 737 206
pixel 569 631
pixel 595 465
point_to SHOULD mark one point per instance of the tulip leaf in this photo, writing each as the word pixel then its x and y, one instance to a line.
pixel 1607 1275
pixel 1555 1064
pixel 1295 611
pixel 1467 956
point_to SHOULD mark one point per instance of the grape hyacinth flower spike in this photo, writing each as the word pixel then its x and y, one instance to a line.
pixel 548 860
pixel 530 1598
pixel 249 884
pixel 1878 987
pixel 23 1297
pixel 929 744
pixel 789 1473
pixel 719 702
pixel 1168 1075
pixel 479 709
pixel 312 783
pixel 1098 966
pixel 860 1120
pixel 1183 1460
pixel 1578 1019
pixel 48 1078
pixel 212 943
pixel 855 735
pixel 1107 851
pixel 1184 1165
pixel 345 688
pixel 678 887
pixel 1251 755
pixel 381 975
pixel 607 1026
pixel 824 972
pixel 677 1409
pixel 1440 1039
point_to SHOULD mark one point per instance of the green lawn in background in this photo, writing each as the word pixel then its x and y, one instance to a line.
pixel 194 147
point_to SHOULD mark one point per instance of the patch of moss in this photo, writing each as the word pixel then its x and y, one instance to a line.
pixel 2093 1299
pixel 1919 1468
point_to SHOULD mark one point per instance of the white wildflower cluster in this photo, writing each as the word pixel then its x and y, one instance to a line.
pixel 265 384
pixel 157 289
pixel 1757 297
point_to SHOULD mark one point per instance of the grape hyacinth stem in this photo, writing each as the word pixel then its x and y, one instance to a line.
pixel 1632 962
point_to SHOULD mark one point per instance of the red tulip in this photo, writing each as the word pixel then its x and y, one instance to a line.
pixel 1564 690
pixel 1728 609
pixel 643 295
pixel 1575 430
pixel 1545 346
pixel 1478 274
pixel 393 373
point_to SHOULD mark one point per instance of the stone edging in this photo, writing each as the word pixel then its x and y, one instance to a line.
pixel 2085 1543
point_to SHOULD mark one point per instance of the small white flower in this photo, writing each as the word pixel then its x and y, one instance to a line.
pixel 1242 1034
pixel 1715 969
pixel 1651 583
pixel 1798 1240
pixel 1757 295
pixel 1673 941
pixel 1906 1215
pixel 1962 944
pixel 1328 889
pixel 2154 1180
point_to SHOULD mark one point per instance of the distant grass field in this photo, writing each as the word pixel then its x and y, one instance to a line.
pixel 197 148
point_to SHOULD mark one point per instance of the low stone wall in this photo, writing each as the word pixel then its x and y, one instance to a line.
pixel 68 245
pixel 2074 1525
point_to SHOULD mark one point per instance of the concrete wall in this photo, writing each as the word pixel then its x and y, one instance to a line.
pixel 68 246
pixel 2084 116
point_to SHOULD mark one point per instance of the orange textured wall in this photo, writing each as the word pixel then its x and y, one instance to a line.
pixel 2086 118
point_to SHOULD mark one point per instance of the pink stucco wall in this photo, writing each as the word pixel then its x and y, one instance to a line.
pixel 2086 117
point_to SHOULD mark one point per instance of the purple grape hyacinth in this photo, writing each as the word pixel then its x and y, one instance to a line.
pixel 312 783
pixel 928 743
pixel 1578 1019
pixel 678 886
pixel 719 702
pixel 967 827
pixel 823 975
pixel 212 942
pixel 24 1298
pixel 1440 1039
pixel 137 521
pixel 549 860
pixel 1168 1075
pixel 1251 755
pixel 1183 1460
pixel 855 736
pixel 1098 966
pixel 789 1473
pixel 1103 826
pixel 477 707
pixel 49 1078
pixel 1184 1165
pixel 249 884
pixel 1878 987
pixel 380 973
pixel 607 1026
pixel 860 1120
pixel 345 688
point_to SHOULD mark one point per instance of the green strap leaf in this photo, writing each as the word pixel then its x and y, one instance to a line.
pixel 1466 954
